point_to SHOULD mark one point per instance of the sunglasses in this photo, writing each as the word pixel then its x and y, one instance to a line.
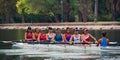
pixel 85 30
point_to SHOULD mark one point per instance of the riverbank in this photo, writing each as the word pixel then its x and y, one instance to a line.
pixel 80 25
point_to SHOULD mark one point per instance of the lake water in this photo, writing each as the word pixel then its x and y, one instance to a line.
pixel 53 54
pixel 50 54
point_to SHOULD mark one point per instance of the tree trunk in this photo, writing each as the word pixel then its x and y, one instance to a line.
pixel 7 18
pixel 57 18
pixel 84 10
pixel 113 7
pixel 80 16
pixel 22 18
pixel 66 10
pixel 113 10
pixel 96 10
pixel 3 18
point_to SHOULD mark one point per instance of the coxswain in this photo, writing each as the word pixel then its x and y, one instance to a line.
pixel 104 41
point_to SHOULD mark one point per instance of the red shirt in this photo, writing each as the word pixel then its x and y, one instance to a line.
pixel 67 36
pixel 87 38
pixel 29 35
pixel 43 37
pixel 36 35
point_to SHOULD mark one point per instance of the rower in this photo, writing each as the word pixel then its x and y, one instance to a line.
pixel 103 41
pixel 36 33
pixel 76 37
pixel 58 35
pixel 50 35
pixel 86 36
pixel 28 34
pixel 42 37
pixel 67 35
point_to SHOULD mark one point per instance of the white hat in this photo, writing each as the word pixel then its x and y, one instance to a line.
pixel 43 29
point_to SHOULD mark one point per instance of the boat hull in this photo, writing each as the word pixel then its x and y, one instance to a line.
pixel 65 47
pixel 5 45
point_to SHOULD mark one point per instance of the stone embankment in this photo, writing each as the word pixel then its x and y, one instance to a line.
pixel 80 25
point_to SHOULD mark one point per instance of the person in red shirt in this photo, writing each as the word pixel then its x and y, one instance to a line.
pixel 29 34
pixel 86 36
pixel 36 33
pixel 42 36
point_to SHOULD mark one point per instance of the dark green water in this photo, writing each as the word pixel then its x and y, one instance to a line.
pixel 5 34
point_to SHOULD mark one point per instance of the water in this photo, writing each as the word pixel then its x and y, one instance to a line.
pixel 53 54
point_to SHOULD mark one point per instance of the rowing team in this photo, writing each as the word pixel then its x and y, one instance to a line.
pixel 66 37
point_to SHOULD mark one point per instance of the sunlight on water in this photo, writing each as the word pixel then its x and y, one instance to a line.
pixel 52 54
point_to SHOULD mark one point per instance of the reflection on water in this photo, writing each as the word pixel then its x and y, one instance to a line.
pixel 47 54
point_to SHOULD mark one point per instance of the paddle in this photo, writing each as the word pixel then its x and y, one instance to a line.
pixel 54 42
pixel 114 44
pixel 41 42
pixel 49 42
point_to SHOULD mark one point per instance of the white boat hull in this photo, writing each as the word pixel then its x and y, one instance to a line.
pixel 64 47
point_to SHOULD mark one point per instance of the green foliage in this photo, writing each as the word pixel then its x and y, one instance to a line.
pixel 7 11
pixel 118 19
pixel 106 16
pixel 38 6
pixel 74 7
pixel 47 10
pixel 22 7
pixel 0 18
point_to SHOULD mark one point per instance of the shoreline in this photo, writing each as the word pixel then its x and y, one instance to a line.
pixel 80 25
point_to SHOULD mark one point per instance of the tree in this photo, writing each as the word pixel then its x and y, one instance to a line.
pixel 85 8
pixel 96 10
pixel 74 11
pixel 47 7
pixel 66 10
pixel 22 8
pixel 7 10
pixel 114 7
